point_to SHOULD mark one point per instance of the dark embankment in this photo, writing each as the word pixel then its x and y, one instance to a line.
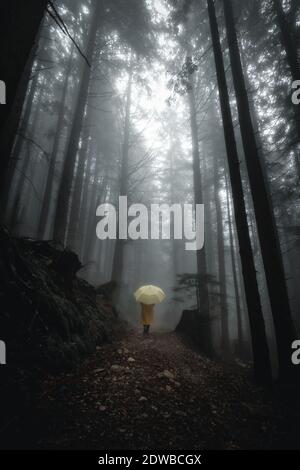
pixel 50 319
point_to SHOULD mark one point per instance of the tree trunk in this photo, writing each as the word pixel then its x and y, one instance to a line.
pixel 84 210
pixel 74 227
pixel 225 345
pixel 240 344
pixel 292 58
pixel 204 326
pixel 17 124
pixel 120 243
pixel 287 40
pixel 99 195
pixel 26 159
pixel 66 183
pixel 198 199
pixel 19 25
pixel 174 242
pixel 261 359
pixel 266 227
pixel 18 144
pixel 48 194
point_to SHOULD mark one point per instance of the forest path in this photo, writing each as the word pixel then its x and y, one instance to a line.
pixel 156 393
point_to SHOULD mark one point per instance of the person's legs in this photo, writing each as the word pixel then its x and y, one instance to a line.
pixel 146 329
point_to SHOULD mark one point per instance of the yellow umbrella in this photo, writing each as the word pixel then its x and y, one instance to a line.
pixel 149 295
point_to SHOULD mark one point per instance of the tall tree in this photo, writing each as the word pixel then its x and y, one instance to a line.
pixel 261 359
pixel 117 267
pixel 19 25
pixel 266 227
pixel 202 287
pixel 221 261
pixel 66 182
pixel 18 144
pixel 27 161
pixel 240 344
pixel 288 41
pixel 290 47
pixel 47 198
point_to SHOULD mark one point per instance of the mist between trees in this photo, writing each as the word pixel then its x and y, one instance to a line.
pixel 185 102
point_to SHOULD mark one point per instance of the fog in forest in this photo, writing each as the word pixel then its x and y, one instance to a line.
pixel 127 98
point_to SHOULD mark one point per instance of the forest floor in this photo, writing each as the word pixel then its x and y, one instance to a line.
pixel 155 392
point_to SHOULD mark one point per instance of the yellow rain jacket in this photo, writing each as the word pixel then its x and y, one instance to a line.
pixel 147 314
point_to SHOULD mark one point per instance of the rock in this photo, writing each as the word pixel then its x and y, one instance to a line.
pixel 55 308
pixel 168 374
pixel 101 369
pixel 168 388
pixel 130 359
pixel 102 408
pixel 142 398
pixel 116 367
pixel 120 351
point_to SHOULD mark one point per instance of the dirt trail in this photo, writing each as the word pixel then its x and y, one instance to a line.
pixel 156 393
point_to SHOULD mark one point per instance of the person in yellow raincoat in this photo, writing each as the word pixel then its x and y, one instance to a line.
pixel 147 316
pixel 148 296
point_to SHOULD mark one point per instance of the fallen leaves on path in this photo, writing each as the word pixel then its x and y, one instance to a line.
pixel 156 393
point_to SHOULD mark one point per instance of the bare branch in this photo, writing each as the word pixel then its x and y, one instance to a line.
pixel 62 26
